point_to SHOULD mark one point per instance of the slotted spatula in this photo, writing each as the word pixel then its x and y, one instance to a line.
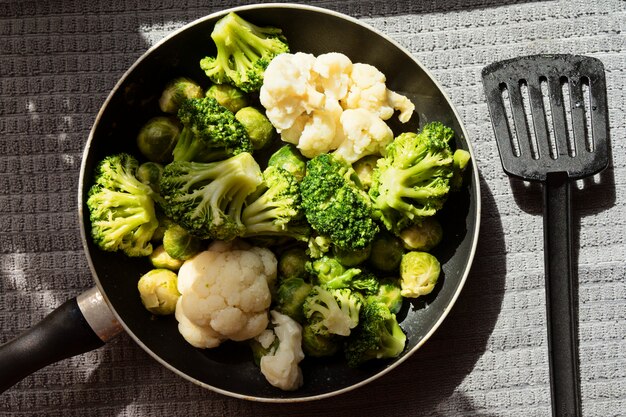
pixel 550 119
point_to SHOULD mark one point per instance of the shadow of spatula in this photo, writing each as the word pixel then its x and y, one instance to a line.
pixel 550 119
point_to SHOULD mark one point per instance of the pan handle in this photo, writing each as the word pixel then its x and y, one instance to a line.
pixel 77 326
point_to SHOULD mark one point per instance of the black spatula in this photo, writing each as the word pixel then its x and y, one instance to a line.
pixel 550 119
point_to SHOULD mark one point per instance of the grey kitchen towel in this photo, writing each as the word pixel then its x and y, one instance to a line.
pixel 60 58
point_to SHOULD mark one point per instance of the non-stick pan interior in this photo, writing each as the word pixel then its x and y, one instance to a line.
pixel 229 368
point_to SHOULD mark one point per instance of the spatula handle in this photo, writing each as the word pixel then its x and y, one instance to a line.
pixel 562 321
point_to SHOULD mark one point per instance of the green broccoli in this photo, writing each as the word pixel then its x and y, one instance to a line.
pixel 334 204
pixel 332 274
pixel 332 311
pixel 318 246
pixel 274 208
pixel 378 335
pixel 121 208
pixel 413 180
pixel 243 52
pixel 210 132
pixel 352 257
pixel 207 198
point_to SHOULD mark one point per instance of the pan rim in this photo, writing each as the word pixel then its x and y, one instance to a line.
pixel 475 180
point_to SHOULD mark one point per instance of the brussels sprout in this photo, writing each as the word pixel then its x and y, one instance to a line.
pixel 228 96
pixel 364 168
pixel 424 236
pixel 389 293
pixel 177 91
pixel 419 272
pixel 290 296
pixel 289 158
pixel 292 263
pixel 149 173
pixel 352 257
pixel 386 252
pixel 157 138
pixel 158 291
pixel 317 345
pixel 162 260
pixel 164 223
pixel 259 128
pixel 179 244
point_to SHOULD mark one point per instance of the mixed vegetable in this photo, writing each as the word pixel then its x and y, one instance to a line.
pixel 310 251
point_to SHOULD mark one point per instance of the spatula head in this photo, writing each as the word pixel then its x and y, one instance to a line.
pixel 549 114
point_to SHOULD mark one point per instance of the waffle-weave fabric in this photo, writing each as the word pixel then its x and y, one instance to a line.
pixel 58 62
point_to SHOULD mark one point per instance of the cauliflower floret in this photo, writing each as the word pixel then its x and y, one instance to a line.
pixel 365 134
pixel 202 337
pixel 301 113
pixel 281 368
pixel 225 293
pixel 334 71
pixel 322 131
pixel 305 97
pixel 369 91
pixel 289 89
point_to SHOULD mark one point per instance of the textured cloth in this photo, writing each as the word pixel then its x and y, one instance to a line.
pixel 58 61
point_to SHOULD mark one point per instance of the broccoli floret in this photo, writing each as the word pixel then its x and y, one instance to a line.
pixel 210 132
pixel 334 204
pixel 413 180
pixel 318 246
pixel 330 273
pixel 274 208
pixel 207 198
pixel 243 52
pixel 121 208
pixel 332 311
pixel 378 335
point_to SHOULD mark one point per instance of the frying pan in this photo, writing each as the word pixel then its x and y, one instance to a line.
pixel 113 305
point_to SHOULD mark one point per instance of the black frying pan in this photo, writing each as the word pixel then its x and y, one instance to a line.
pixel 96 316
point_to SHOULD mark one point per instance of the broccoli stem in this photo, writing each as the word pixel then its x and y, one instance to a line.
pixel 187 146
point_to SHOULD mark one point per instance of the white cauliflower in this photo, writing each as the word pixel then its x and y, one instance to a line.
pixel 290 89
pixel 280 367
pixel 365 134
pixel 334 71
pixel 225 293
pixel 305 97
pixel 316 132
pixel 369 91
